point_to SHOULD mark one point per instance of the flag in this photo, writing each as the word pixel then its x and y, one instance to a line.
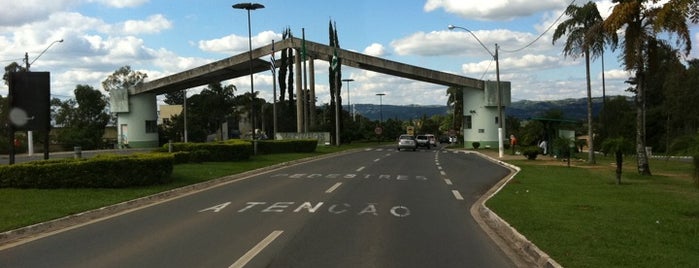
pixel 335 61
pixel 272 60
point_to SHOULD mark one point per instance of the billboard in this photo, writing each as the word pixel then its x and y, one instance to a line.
pixel 30 97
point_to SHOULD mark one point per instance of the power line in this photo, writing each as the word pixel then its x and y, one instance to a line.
pixel 542 34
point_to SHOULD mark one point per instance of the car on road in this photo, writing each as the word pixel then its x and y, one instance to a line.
pixel 423 141
pixel 407 142
pixel 432 139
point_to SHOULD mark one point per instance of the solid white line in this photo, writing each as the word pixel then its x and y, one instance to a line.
pixel 360 169
pixel 457 195
pixel 256 250
pixel 333 188
pixel 448 181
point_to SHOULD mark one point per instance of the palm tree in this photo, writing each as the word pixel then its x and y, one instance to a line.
pixel 456 102
pixel 583 42
pixel 641 23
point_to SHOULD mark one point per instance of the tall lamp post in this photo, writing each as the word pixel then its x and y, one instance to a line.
pixel 30 134
pixel 349 104
pixel 501 149
pixel 249 7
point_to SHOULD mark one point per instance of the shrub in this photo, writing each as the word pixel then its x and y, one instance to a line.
pixel 231 150
pixel 198 156
pixel 476 145
pixel 104 171
pixel 531 152
pixel 286 146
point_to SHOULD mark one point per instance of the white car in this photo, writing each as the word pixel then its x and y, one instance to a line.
pixel 407 142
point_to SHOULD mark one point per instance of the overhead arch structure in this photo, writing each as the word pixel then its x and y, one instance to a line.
pixel 240 65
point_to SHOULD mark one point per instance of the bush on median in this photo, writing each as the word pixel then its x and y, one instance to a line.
pixel 104 171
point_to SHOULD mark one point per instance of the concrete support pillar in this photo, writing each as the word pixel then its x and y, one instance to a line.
pixel 312 85
pixel 299 91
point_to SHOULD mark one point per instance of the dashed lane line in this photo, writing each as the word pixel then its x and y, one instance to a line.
pixel 457 195
pixel 256 250
pixel 333 188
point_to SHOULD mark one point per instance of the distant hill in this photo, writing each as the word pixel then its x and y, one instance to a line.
pixel 575 109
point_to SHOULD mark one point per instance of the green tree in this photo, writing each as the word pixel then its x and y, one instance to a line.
pixel 642 23
pixel 335 76
pixel 82 119
pixel 123 78
pixel 583 42
pixel 620 111
pixel 220 103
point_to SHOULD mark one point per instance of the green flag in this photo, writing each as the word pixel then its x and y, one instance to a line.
pixel 335 61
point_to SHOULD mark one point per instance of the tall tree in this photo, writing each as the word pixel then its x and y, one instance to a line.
pixel 455 102
pixel 83 119
pixel 583 42
pixel 219 101
pixel 335 76
pixel 642 21
pixel 123 78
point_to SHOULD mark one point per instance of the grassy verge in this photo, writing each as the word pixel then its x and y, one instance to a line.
pixel 581 218
pixel 23 207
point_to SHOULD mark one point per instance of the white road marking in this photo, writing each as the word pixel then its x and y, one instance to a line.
pixel 377 159
pixel 360 169
pixel 439 167
pixel 256 250
pixel 457 195
pixel 447 181
pixel 333 188
pixel 443 173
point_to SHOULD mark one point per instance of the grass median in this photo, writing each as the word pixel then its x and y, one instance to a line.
pixel 24 207
pixel 581 218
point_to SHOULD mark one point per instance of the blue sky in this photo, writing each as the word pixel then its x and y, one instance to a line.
pixel 161 37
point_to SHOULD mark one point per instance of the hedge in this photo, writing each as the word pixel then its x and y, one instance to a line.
pixel 103 171
pixel 231 150
pixel 286 146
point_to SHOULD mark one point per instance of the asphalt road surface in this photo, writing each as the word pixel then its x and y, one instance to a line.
pixel 372 208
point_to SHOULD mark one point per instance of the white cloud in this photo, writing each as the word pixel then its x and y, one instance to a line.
pixel 617 74
pixel 376 50
pixel 234 44
pixel 122 3
pixel 14 13
pixel 153 24
pixel 493 9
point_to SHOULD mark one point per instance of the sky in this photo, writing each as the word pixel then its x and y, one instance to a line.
pixel 164 37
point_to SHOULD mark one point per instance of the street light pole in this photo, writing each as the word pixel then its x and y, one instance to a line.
pixel 349 104
pixel 380 107
pixel 30 134
pixel 249 7
pixel 501 149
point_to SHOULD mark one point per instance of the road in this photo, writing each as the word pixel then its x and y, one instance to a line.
pixel 372 208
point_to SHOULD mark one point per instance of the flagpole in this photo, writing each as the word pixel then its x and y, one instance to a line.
pixel 274 93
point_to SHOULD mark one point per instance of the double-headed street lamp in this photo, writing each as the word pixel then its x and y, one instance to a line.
pixel 249 7
pixel 501 150
pixel 349 104
pixel 380 107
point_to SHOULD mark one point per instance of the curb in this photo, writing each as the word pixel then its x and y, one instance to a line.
pixel 520 250
pixel 39 230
